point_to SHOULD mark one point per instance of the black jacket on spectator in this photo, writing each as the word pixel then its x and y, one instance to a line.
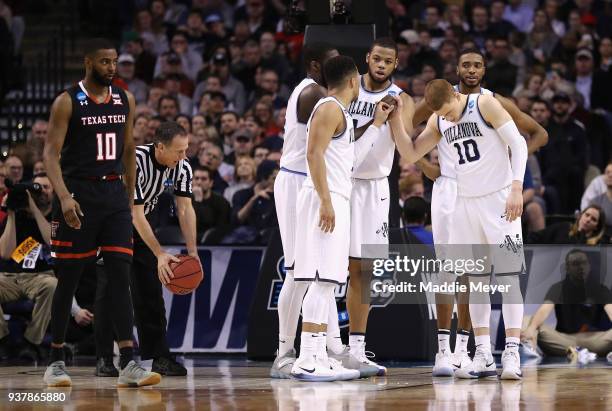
pixel 219 184
pixel 600 90
pixel 564 160
pixel 501 77
pixel 263 213
pixel 212 212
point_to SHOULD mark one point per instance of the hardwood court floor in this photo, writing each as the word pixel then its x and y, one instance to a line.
pixel 235 384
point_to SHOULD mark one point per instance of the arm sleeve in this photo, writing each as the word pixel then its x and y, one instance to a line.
pixel 183 186
pixel 365 143
pixel 510 135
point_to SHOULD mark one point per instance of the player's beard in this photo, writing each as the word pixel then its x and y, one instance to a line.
pixel 100 79
pixel 376 81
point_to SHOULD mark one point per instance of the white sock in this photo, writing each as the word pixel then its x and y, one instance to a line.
pixel 309 344
pixel 356 341
pixel 322 346
pixel 512 343
pixel 285 344
pixel 484 341
pixel 334 342
pixel 443 340
pixel 461 341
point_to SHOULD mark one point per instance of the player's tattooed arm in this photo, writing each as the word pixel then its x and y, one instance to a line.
pixel 307 100
pixel 61 110
pixel 129 151
pixel 421 113
pixel 326 122
pixel 538 136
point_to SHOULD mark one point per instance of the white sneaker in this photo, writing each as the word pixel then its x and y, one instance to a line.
pixel 526 350
pixel 56 375
pixel 343 374
pixel 351 362
pixel 511 365
pixel 363 357
pixel 281 368
pixel 311 368
pixel 133 375
pixel 443 366
pixel 461 359
pixel 482 366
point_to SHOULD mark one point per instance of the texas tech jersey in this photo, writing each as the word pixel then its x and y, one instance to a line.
pixel 94 140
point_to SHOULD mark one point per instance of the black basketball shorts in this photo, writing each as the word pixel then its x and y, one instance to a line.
pixel 106 225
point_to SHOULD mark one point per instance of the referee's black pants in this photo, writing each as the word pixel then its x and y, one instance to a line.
pixel 149 310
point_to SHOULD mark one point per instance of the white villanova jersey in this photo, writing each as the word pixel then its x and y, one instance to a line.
pixel 480 157
pixel 379 160
pixel 294 146
pixel 339 155
pixel 446 153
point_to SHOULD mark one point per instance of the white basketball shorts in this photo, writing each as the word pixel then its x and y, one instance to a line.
pixel 369 214
pixel 286 189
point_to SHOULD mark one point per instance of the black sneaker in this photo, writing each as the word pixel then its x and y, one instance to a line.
pixel 106 368
pixel 169 367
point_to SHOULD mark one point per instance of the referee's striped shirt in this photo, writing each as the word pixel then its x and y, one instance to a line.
pixel 152 178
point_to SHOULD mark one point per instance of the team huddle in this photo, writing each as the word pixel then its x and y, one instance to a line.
pixel 332 197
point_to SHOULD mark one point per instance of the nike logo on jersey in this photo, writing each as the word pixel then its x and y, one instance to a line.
pixel 308 371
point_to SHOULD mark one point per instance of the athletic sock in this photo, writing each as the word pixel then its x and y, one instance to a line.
pixel 443 340
pixel 512 343
pixel 285 344
pixel 309 344
pixel 57 354
pixel 126 354
pixel 356 341
pixel 461 341
pixel 322 345
pixel 483 341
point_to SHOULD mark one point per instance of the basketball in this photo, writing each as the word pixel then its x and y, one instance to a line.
pixel 187 275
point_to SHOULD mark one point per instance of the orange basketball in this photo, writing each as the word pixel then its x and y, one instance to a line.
pixel 187 275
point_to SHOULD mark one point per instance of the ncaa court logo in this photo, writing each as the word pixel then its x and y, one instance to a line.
pixel 277 285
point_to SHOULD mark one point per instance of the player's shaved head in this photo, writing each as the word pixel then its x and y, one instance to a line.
pixel 96 44
pixel 338 69
pixel 437 93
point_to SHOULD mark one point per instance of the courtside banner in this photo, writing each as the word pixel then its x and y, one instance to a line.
pixel 214 318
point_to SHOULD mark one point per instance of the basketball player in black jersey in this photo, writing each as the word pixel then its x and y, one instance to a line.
pixel 90 160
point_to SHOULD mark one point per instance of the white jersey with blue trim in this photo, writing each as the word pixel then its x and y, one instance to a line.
pixel 446 154
pixel 294 145
pixel 480 157
pixel 379 160
pixel 339 155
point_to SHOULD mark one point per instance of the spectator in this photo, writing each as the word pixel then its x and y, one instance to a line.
pixel 411 186
pixel 212 157
pixel 533 211
pixel 171 66
pixel 532 85
pixel 190 61
pixel 434 25
pixel 212 210
pixel 605 54
pixel 217 32
pixel 265 113
pixel 501 74
pixel 30 275
pixel 541 40
pixel 198 122
pixel 153 35
pixel 212 105
pixel 168 108
pixel 38 169
pixel 246 69
pixel 260 153
pixel 564 159
pixel 232 87
pixel 551 7
pixel 584 75
pixel 154 95
pixel 258 17
pixel 14 169
pixel 480 31
pixel 602 79
pixel 605 200
pixel 244 177
pixel 580 322
pixel 256 127
pixel 498 25
pixel 519 14
pixel 144 65
pixel 140 129
pixel 268 86
pixel 184 121
pixel 172 87
pixel 37 138
pixel 271 59
pixel 416 213
pixel 255 206
pixel 195 32
pixel 126 69
pixel 152 125
pixel 596 188
pixel 242 145
pixel 589 228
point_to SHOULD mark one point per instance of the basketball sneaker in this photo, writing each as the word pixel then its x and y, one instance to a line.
pixel 311 368
pixel 350 361
pixel 482 366
pixel 133 375
pixel 343 374
pixel 526 350
pixel 281 368
pixel 511 365
pixel 461 359
pixel 56 375
pixel 443 366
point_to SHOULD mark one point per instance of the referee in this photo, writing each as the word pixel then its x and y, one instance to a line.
pixel 160 166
